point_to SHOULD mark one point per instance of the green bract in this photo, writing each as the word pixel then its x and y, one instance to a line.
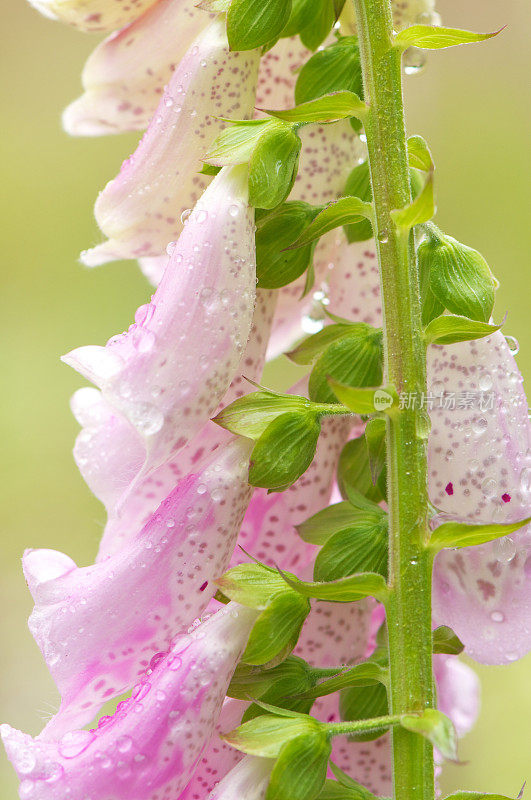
pixel 276 230
pixel 250 415
pixel 300 770
pixel 364 702
pixel 354 472
pixel 329 108
pixel 340 212
pixel 457 534
pixel 362 547
pixel 450 329
pixel 344 590
pixel 436 37
pixel 446 641
pixel 436 727
pixel 273 167
pixel 355 360
pixel 266 735
pixel 252 23
pixel 336 67
pixel 458 277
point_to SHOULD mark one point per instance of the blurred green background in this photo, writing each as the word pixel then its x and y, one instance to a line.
pixel 470 104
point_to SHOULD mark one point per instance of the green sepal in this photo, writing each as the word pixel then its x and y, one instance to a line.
pixel 328 108
pixel 355 360
pixel 334 790
pixel 334 68
pixel 367 673
pixel 340 212
pixel 302 12
pixel 273 167
pixel 359 185
pixel 294 676
pixel 209 169
pixel 300 770
pixel 431 307
pixel 430 37
pixel 375 432
pixel 450 329
pixel 370 400
pixel 354 473
pixel 252 585
pixel 252 414
pixel 364 702
pixel 252 23
pixel 324 16
pixel 420 210
pixel 275 231
pixel 362 547
pixel 276 631
pixel 266 735
pixel 458 534
pixel 344 590
pixel 235 143
pixel 348 782
pixel 321 526
pixel 436 727
pixel 419 155
pixel 446 641
pixel 284 451
pixel 458 276
pixel 313 346
pixel 479 796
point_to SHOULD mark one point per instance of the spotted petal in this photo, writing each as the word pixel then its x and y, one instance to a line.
pixel 98 626
pixel 140 210
pixel 167 374
pixel 93 16
pixel 149 747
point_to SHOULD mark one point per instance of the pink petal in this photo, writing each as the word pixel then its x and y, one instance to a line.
pixel 161 375
pixel 483 593
pixel 355 283
pixel 249 780
pixel 458 691
pixel 124 77
pixel 94 16
pixel 99 626
pixel 151 744
pixel 140 210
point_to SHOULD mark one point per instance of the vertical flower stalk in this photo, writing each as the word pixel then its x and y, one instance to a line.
pixel 409 605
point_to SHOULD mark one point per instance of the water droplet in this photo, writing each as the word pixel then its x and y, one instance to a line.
pixel 140 691
pixel 414 60
pixel 146 418
pixel 234 210
pixel 474 465
pixel 485 382
pixel 170 247
pixel 184 216
pixel 480 426
pixel 174 663
pixel 429 18
pixel 497 616
pixel 201 489
pixel 75 742
pixel 525 479
pixel 383 237
pixel 514 347
pixel 201 216
pixel 489 487
pixel 26 788
pixel 24 760
pixel 124 744
pixel 505 549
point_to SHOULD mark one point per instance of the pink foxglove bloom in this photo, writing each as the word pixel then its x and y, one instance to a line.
pixel 140 210
pixel 149 747
pixel 92 15
pixel 161 376
pixel 98 626
pixel 124 77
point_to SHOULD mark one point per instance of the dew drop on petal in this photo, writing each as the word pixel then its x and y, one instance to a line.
pixel 505 549
pixel 75 742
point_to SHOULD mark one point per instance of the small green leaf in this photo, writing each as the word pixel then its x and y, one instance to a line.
pixel 252 23
pixel 457 534
pixel 431 306
pixel 366 400
pixel 329 108
pixel 450 329
pixel 446 641
pixel 208 169
pixel 324 16
pixel 302 12
pixel 284 451
pixel 319 528
pixel 348 782
pixel 364 702
pixel 276 230
pixel 300 770
pixel 366 674
pixel 273 167
pixel 478 796
pixel 354 472
pixel 436 727
pixel 265 736
pixel 340 212
pixel 431 37
pixel 458 276
pixel 276 631
pixel 235 144
pixel 420 210
pixel 292 676
pixel 252 585
pixel 334 68
pixel 344 590
pixel 315 345
pixel 375 432
pixel 362 547
pixel 355 360
pixel 419 155
pixel 252 414
pixel 359 185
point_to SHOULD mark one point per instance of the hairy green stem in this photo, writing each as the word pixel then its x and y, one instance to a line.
pixel 409 604
pixel 361 725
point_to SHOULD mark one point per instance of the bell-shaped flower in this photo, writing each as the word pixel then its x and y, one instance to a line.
pixel 125 76
pixel 98 626
pixel 167 374
pixel 110 455
pixel 93 16
pixel 150 746
pixel 480 471
pixel 140 211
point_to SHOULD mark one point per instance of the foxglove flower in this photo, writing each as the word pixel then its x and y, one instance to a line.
pixel 125 76
pixel 93 16
pixel 140 210
pixel 160 375
pixel 149 747
pixel 98 626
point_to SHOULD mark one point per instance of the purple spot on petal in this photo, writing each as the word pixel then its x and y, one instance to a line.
pixel 449 488
pixel 506 498
pixel 203 587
